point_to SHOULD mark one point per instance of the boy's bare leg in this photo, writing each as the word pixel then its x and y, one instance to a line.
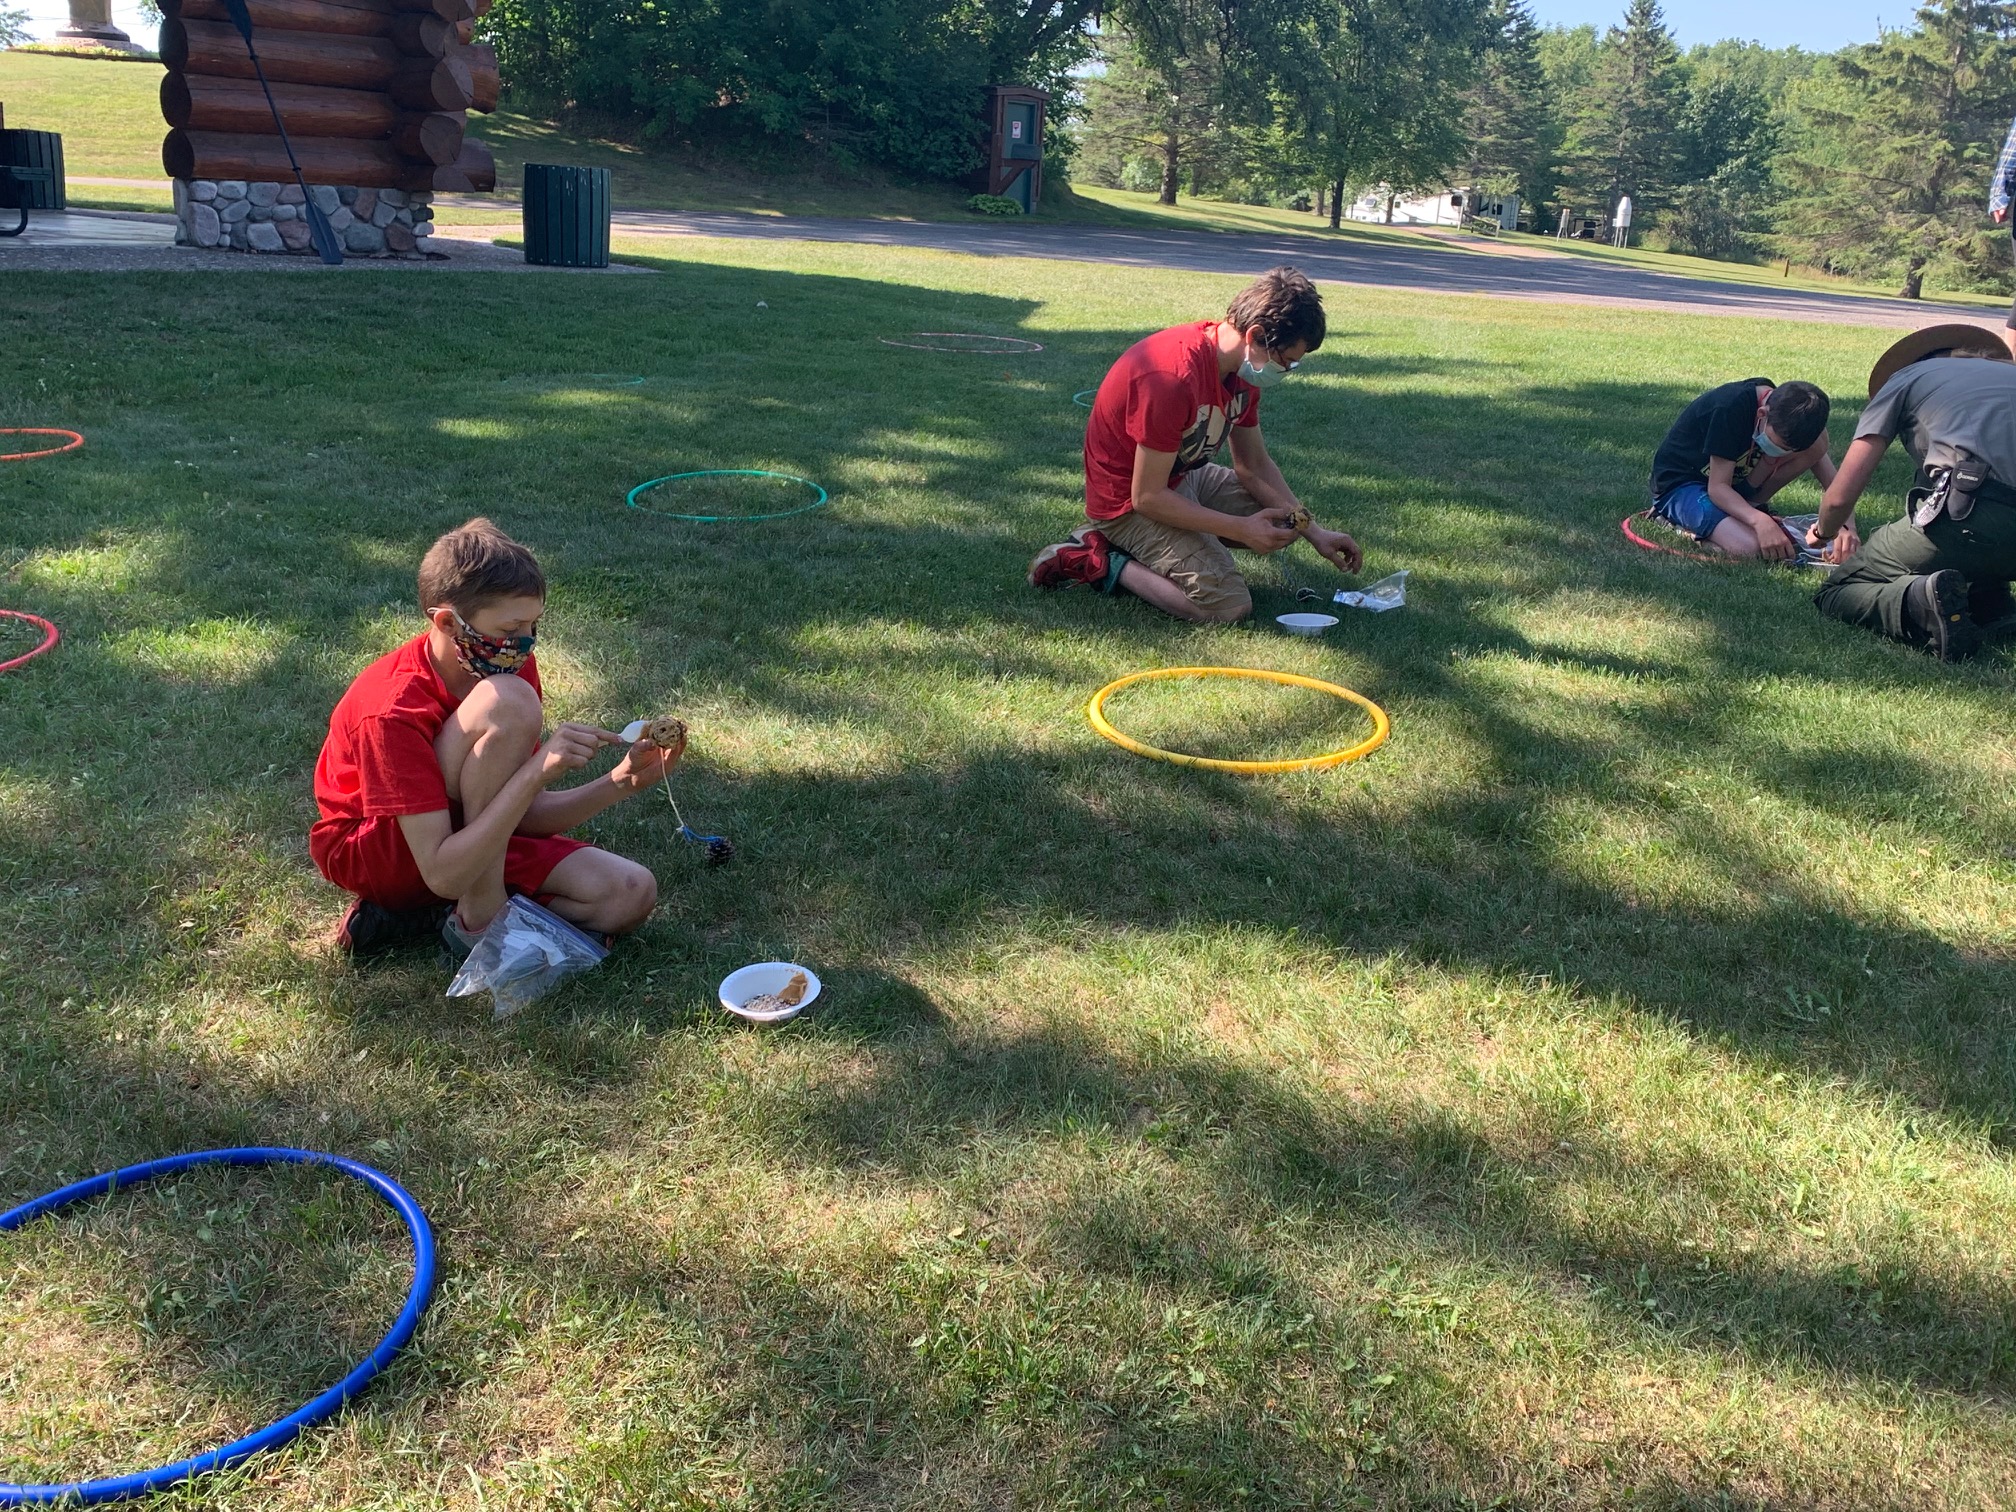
pixel 602 891
pixel 1735 538
pixel 487 739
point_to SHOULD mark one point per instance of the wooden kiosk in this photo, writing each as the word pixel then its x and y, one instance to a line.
pixel 1013 141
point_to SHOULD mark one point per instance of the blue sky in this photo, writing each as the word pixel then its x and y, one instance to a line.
pixel 1816 25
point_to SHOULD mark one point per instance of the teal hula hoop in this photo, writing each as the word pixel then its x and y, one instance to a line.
pixel 727 472
pixel 1082 399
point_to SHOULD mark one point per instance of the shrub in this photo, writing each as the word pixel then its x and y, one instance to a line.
pixel 993 204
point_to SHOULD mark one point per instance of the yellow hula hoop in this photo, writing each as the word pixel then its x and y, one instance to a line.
pixel 1095 711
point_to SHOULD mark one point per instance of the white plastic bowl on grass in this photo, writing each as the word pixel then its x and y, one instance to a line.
pixel 1305 624
pixel 740 987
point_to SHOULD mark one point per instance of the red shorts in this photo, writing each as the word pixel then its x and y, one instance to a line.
pixel 370 857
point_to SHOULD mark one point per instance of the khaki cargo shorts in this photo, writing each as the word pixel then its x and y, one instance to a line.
pixel 1201 565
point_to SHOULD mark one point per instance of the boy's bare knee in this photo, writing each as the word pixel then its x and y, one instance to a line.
pixel 503 702
pixel 632 898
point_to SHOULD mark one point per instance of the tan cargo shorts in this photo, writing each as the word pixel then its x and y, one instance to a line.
pixel 1201 565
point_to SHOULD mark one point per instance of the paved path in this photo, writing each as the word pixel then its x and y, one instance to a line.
pixel 1428 269
pixel 136 241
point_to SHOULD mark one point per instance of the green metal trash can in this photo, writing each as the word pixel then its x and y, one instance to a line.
pixel 566 216
pixel 36 149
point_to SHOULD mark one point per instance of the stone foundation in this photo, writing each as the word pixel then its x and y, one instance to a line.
pixel 234 216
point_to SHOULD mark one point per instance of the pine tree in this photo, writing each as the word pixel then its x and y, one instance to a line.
pixel 1509 136
pixel 1898 139
pixel 1623 137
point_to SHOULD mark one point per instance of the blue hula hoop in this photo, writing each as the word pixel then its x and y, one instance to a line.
pixel 1081 400
pixel 116 1488
pixel 727 472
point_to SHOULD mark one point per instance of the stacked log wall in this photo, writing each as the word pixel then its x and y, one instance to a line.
pixel 375 94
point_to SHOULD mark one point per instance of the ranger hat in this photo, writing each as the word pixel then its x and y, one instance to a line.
pixel 1930 342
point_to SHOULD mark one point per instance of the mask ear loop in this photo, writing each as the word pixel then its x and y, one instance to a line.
pixel 719 847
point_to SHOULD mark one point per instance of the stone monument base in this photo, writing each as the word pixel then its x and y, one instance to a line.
pixel 235 216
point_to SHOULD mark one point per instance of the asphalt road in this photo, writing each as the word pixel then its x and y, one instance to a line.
pixel 1427 268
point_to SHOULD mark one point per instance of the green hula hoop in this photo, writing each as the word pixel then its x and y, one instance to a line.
pixel 727 472
pixel 1081 400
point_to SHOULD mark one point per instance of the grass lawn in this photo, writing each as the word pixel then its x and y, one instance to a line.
pixel 1597 1097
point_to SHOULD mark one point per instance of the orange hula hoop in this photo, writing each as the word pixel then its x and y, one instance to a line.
pixel 75 442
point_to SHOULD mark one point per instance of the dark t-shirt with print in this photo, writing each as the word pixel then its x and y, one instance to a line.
pixel 1721 423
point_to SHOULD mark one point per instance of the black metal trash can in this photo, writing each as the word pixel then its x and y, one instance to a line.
pixel 566 216
pixel 36 149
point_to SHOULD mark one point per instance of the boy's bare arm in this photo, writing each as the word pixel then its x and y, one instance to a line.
pixel 642 767
pixel 1772 542
pixel 1153 498
pixel 453 861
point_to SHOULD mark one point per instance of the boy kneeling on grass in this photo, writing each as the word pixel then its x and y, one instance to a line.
pixel 1729 452
pixel 433 782
pixel 1163 514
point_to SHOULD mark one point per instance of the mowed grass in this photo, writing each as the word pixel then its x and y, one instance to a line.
pixel 1597 1097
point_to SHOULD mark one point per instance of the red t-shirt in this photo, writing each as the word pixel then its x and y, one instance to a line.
pixel 1165 394
pixel 379 758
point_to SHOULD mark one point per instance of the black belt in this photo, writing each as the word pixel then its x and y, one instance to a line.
pixel 1953 491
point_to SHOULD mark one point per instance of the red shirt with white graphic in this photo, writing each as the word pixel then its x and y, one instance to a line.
pixel 1165 394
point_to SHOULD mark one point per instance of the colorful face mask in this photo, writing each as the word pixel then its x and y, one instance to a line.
pixel 489 655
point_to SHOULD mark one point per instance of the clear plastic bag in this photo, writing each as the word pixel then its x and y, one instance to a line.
pixel 1387 593
pixel 525 953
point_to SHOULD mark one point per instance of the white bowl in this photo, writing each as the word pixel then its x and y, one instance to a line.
pixel 766 976
pixel 1305 624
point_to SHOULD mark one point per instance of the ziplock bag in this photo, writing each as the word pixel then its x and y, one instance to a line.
pixel 525 953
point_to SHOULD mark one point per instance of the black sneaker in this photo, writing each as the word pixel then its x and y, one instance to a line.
pixel 368 930
pixel 1936 607
pixel 1992 608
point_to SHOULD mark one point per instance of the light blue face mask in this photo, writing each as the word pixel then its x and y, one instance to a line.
pixel 1767 446
pixel 1267 374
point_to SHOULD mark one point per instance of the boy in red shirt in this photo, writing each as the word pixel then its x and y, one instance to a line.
pixel 433 782
pixel 1163 512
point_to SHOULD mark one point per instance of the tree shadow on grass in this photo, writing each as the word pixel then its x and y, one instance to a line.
pixel 1198 1160
pixel 955 832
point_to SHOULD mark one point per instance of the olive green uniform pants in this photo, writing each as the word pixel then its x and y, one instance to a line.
pixel 1868 589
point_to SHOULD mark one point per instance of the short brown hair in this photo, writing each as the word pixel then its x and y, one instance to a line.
pixel 477 564
pixel 1284 304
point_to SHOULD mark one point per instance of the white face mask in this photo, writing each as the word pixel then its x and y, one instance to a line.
pixel 1266 375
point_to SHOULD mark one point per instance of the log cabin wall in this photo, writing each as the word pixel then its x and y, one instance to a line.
pixel 376 96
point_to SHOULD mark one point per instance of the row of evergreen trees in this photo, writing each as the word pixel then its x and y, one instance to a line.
pixel 1872 161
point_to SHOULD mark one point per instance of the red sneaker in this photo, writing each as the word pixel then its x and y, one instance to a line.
pixel 1086 558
